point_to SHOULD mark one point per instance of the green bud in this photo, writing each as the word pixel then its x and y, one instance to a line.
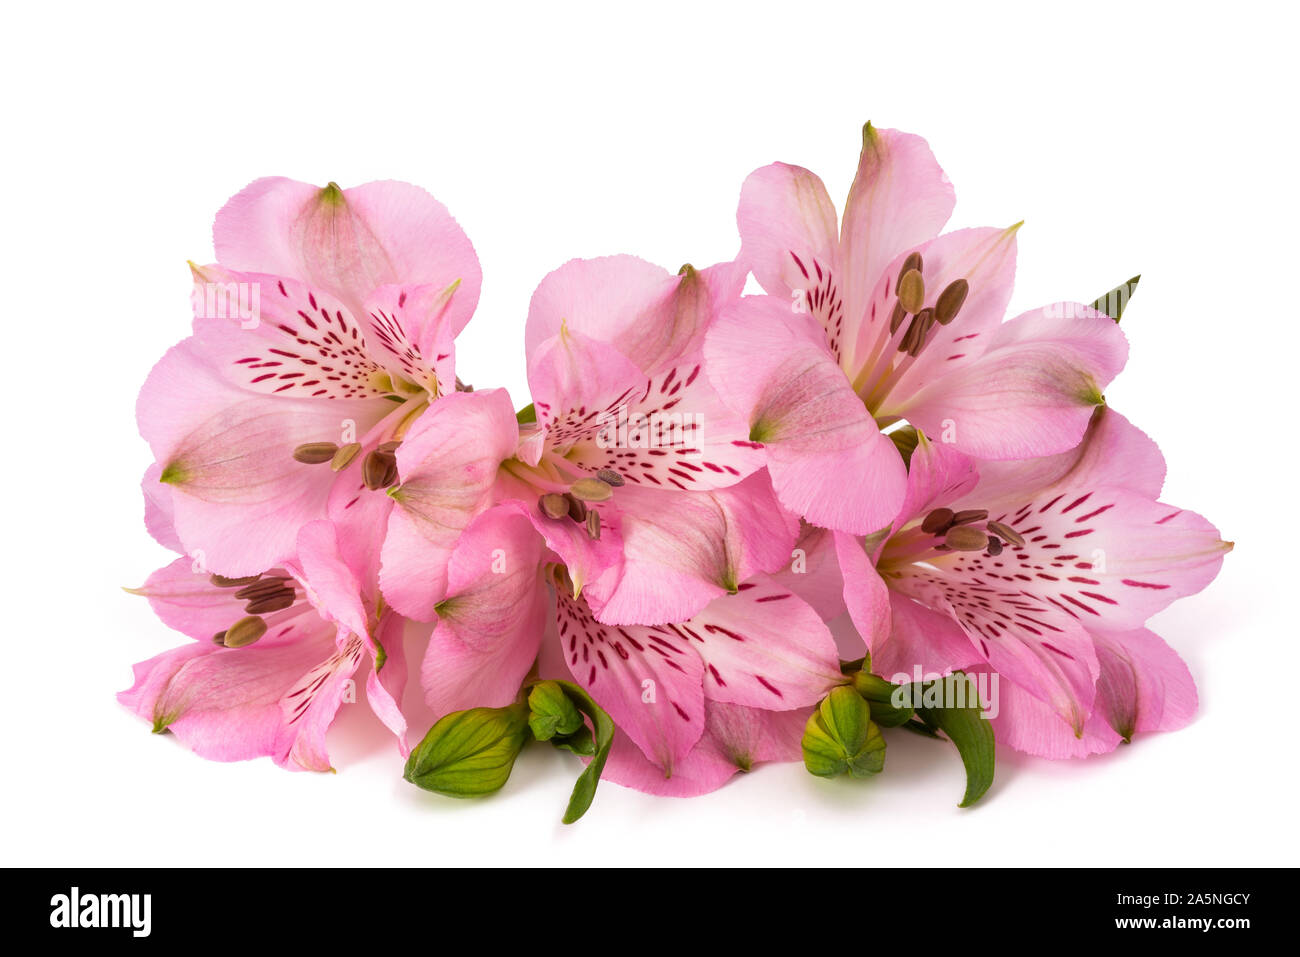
pixel 470 753
pixel 840 737
pixel 552 715
pixel 881 696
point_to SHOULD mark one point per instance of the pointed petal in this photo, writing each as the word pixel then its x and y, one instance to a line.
pixel 1025 638
pixel 682 550
pixel 1032 393
pixel 1105 556
pixel 763 647
pixel 790 239
pixel 899 199
pixel 1113 452
pixel 1026 723
pixel 1144 685
pixel 649 680
pixel 386 678
pixel 771 367
pixel 448 465
pixel 184 597
pixel 814 573
pixel 735 739
pixel 490 624
pixel 238 495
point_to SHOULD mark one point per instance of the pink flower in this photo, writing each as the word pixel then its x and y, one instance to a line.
pixel 1044 571
pixel 693 700
pixel 322 334
pixel 877 320
pixel 631 472
pixel 273 656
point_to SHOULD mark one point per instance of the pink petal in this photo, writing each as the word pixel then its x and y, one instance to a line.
pixel 1144 685
pixel 985 259
pixel 1031 393
pixel 237 494
pixel 813 572
pixel 762 647
pixel 1026 723
pixel 1113 452
pixel 788 228
pixel 183 596
pixel 410 334
pixel 899 199
pixel 448 464
pixel 491 622
pixel 649 316
pixel 1104 556
pixel 770 366
pixel 735 739
pixel 649 680
pixel 299 342
pixel 682 550
pixel 350 241
pixel 386 679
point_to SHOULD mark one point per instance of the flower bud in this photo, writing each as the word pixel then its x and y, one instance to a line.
pixel 469 753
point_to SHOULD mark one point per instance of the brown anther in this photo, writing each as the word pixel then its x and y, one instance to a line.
pixel 913 261
pixel 591 490
pixel 593 524
pixel 577 508
pixel 261 588
pixel 244 632
pixel 914 338
pixel 968 515
pixel 610 477
pixel 219 638
pixel 344 456
pixel 937 521
pixel 897 317
pixel 1007 533
pixel 388 446
pixel 995 546
pixel 553 505
pixel 221 581
pixel 379 470
pixel 924 321
pixel 950 301
pixel 911 291
pixel 315 453
pixel 277 601
pixel 966 538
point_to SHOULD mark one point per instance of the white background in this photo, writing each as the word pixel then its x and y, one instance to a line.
pixel 1132 138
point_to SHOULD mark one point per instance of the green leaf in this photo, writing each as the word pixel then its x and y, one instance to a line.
pixel 1114 302
pixel 880 696
pixel 469 753
pixel 552 712
pixel 967 728
pixel 584 789
pixel 527 415
pixel 840 737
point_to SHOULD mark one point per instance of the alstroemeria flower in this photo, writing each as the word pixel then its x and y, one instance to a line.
pixel 632 472
pixel 879 319
pixel 324 330
pixel 273 656
pixel 689 696
pixel 1044 571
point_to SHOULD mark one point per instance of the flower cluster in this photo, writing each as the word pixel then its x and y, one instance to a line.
pixel 728 528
